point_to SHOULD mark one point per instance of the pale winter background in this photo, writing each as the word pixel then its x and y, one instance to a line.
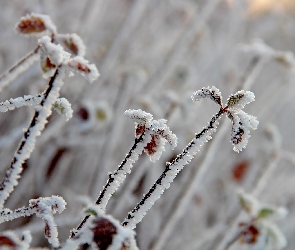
pixel 153 55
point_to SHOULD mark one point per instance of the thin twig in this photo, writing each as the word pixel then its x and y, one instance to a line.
pixel 27 144
pixel 115 179
pixel 18 68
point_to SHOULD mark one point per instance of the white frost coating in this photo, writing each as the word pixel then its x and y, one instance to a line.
pixel 136 215
pixel 211 93
pixel 55 203
pixel 51 204
pixel 160 135
pixel 73 42
pixel 123 236
pixel 63 107
pixel 120 174
pixel 27 144
pixel 139 116
pixel 33 17
pixel 160 127
pixel 18 68
pixel 82 66
pixel 51 232
pixel 45 208
pixel 240 99
pixel 153 139
pixel 8 215
pixel 242 123
pixel 54 51
pixel 27 100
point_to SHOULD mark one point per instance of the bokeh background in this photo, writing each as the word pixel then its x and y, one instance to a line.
pixel 153 55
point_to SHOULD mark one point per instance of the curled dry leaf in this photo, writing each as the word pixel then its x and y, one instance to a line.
pixel 212 93
pixel 72 43
pixel 35 24
pixel 82 66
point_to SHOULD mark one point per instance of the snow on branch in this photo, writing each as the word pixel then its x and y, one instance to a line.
pixel 19 67
pixel 160 135
pixel 43 208
pixel 82 66
pixel 139 116
pixel 212 93
pixel 35 24
pixel 173 168
pixel 72 43
pixel 102 231
pixel 55 52
pixel 36 206
pixel 240 99
pixel 242 123
pixel 61 106
pixel 27 144
pixel 151 136
pixel 27 100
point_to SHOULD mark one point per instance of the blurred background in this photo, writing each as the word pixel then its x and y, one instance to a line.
pixel 153 55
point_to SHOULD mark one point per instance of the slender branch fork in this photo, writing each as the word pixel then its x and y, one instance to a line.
pixel 170 172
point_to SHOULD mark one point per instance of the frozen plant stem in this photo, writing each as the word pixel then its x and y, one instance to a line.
pixel 172 169
pixel 27 144
pixel 18 68
pixel 197 174
pixel 151 136
pixel 118 177
pixel 242 123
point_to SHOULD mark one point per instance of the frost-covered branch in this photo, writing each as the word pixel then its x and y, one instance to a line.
pixel 53 203
pixel 28 141
pixel 62 105
pixel 58 58
pixel 151 136
pixel 43 208
pixel 19 67
pixel 234 104
pixel 27 100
